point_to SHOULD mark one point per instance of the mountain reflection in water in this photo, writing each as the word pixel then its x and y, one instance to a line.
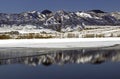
pixel 60 57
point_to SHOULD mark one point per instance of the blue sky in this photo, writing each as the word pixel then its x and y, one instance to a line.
pixel 16 6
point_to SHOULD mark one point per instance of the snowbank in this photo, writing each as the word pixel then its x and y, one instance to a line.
pixel 60 43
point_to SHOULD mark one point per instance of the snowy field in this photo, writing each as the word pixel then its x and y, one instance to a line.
pixel 60 43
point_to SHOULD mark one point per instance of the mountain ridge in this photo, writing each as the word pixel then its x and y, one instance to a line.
pixel 60 20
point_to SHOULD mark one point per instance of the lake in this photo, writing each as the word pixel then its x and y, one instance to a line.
pixel 82 63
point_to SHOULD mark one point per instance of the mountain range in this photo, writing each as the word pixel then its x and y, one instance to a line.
pixel 60 20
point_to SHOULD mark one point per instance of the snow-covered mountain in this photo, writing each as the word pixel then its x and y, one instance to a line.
pixel 59 20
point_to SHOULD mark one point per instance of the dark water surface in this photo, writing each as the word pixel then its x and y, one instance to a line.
pixel 25 63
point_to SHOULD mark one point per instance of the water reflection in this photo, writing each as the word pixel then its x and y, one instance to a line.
pixel 60 57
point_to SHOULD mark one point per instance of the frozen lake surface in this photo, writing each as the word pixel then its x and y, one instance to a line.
pixel 60 43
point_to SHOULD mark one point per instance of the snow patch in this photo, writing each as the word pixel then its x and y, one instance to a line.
pixel 83 14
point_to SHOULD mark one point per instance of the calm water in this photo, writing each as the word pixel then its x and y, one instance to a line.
pixel 19 63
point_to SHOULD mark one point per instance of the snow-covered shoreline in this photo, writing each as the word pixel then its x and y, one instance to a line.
pixel 60 43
